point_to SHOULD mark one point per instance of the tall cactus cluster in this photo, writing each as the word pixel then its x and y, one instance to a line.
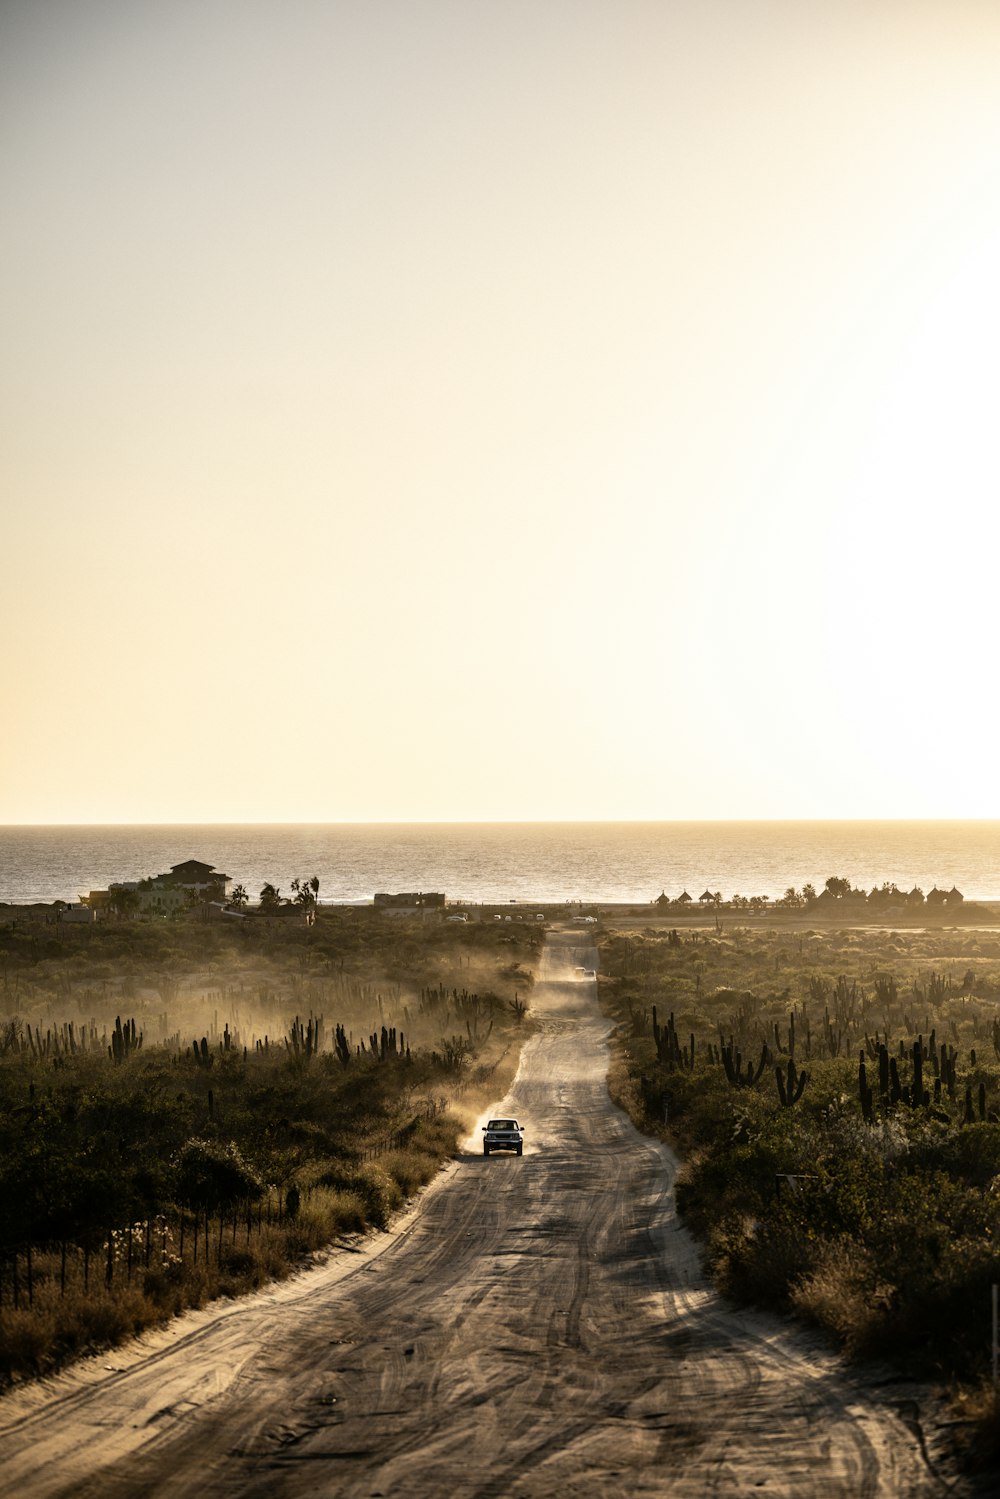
pixel 124 1040
pixel 940 1062
pixel 201 1053
pixel 385 1044
pixel 341 1045
pixel 668 1044
pixel 305 1040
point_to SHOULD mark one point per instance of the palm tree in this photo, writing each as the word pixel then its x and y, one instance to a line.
pixel 239 897
pixel 270 897
pixel 306 891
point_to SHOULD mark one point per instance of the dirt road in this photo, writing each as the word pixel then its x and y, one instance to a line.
pixel 539 1326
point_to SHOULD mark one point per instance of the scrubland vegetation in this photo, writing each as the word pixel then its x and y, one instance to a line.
pixel 188 1109
pixel 836 1098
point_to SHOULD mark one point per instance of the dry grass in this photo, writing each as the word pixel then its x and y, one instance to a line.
pixel 844 1295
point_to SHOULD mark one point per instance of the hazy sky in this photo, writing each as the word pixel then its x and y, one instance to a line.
pixel 427 409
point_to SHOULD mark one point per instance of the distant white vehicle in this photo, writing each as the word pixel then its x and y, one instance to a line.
pixel 461 916
pixel 584 920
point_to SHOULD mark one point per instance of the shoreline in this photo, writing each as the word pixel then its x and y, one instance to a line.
pixel 970 913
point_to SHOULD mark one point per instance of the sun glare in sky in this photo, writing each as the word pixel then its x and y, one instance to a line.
pixel 549 410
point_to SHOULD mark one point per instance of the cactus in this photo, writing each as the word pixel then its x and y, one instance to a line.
pixel 864 1091
pixel 732 1062
pixel 885 989
pixel 791 1085
pixel 833 1034
pixel 917 1096
pixel 201 1053
pixel 949 1068
pixel 342 1046
pixel 883 1073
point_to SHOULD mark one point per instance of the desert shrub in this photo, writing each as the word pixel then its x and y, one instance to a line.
pixel 26 1340
pixel 844 1294
pixel 410 1169
pixel 160 1283
pixel 436 1135
pixel 378 1191
pixel 757 1260
pixel 239 1261
pixel 977 1412
pixel 971 1154
pixel 106 1318
pixel 214 1172
pixel 348 1209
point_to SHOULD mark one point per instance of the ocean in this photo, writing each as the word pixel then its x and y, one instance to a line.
pixel 526 862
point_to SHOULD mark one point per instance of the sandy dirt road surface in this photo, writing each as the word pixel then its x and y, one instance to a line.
pixel 537 1326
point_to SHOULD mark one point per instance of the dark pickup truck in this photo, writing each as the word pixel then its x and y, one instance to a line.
pixel 503 1134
